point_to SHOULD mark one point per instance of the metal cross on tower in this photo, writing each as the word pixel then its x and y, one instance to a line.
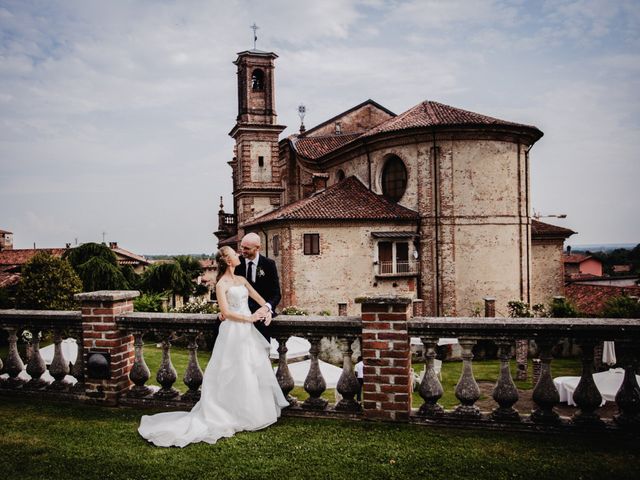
pixel 254 27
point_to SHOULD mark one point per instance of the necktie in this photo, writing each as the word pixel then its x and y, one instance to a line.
pixel 250 272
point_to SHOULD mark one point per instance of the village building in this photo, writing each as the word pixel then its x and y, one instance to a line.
pixel 432 204
pixel 12 260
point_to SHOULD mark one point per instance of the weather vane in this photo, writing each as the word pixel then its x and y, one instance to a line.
pixel 254 27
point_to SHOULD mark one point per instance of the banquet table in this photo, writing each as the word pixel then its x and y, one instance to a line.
pixel 608 384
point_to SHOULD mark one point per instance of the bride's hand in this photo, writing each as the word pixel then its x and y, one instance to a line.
pixel 255 317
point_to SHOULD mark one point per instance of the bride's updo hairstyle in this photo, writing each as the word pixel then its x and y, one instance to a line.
pixel 221 261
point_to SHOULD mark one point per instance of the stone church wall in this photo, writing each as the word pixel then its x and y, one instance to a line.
pixel 547 276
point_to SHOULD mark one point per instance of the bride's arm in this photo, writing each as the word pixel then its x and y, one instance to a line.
pixel 266 312
pixel 221 295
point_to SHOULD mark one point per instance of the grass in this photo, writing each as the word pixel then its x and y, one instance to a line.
pixel 66 441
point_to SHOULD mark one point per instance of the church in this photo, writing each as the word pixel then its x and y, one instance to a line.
pixel 431 204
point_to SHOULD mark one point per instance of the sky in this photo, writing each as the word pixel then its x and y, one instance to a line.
pixel 115 115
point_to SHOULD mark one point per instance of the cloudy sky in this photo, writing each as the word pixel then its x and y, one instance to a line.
pixel 114 115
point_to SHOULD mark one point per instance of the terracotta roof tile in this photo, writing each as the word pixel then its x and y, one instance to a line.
pixel 575 258
pixel 590 299
pixel 4 231
pixel 346 200
pixel 316 147
pixel 134 258
pixel 425 114
pixel 541 229
pixel 23 255
pixel 430 114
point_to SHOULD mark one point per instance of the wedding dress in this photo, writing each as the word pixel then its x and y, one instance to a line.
pixel 239 388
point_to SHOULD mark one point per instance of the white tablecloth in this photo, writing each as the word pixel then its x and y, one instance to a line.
pixel 608 384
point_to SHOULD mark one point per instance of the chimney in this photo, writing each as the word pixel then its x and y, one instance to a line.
pixel 320 182
pixel 113 245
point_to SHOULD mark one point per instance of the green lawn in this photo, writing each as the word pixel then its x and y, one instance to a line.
pixel 66 441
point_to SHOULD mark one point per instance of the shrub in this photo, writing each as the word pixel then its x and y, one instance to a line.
pixel 563 308
pixel 621 307
pixel 150 302
pixel 48 283
pixel 293 310
pixel 324 313
pixel 197 307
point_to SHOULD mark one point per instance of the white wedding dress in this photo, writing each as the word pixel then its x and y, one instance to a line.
pixel 239 389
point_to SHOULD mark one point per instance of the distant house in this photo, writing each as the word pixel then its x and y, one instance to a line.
pixel 12 260
pixel 622 268
pixel 591 299
pixel 579 265
pixel 208 277
pixel 6 240
pixel 125 257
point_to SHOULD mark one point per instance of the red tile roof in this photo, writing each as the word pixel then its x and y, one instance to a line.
pixel 8 277
pixel 316 147
pixel 131 258
pixel 346 200
pixel 431 114
pixel 425 114
pixel 4 231
pixel 546 230
pixel 590 299
pixel 23 255
pixel 575 258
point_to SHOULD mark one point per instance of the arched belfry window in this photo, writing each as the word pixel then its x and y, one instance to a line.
pixel 340 175
pixel 394 178
pixel 257 80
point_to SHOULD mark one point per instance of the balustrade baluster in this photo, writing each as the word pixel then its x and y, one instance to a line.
pixel 545 394
pixel 505 393
pixel 467 390
pixel 628 396
pixel 13 364
pixel 36 366
pixel 59 367
pixel 283 375
pixel 140 372
pixel 77 371
pixel 586 396
pixel 193 375
pixel 167 374
pixel 430 387
pixel 348 385
pixel 315 384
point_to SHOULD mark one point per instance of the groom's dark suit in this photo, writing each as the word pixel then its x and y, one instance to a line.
pixel 267 285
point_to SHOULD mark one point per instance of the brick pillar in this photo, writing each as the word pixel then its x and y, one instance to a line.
pixel 100 334
pixel 386 357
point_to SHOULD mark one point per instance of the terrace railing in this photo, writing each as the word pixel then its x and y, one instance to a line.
pixel 110 368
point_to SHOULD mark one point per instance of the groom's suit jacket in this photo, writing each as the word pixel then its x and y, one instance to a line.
pixel 267 284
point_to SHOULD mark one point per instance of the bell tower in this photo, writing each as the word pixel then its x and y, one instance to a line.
pixel 257 187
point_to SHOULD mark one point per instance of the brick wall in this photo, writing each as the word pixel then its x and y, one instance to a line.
pixel 386 357
pixel 101 334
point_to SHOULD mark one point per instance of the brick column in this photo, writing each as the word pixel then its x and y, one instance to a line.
pixel 100 334
pixel 386 357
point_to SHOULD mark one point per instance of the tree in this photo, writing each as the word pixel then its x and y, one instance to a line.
pixel 97 267
pixel 163 277
pixel 47 283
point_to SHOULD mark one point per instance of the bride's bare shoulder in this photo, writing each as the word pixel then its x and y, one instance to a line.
pixel 223 284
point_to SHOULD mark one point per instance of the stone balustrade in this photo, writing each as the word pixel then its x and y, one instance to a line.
pixel 547 332
pixel 111 367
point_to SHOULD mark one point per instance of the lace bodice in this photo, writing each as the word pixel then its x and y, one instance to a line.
pixel 238 299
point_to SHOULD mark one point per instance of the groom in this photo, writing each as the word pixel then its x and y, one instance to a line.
pixel 262 274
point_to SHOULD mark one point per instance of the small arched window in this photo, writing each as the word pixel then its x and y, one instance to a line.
pixel 340 175
pixel 394 179
pixel 257 80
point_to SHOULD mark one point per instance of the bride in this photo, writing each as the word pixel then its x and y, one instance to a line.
pixel 239 389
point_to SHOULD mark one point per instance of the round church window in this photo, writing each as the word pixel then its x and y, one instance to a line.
pixel 394 179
